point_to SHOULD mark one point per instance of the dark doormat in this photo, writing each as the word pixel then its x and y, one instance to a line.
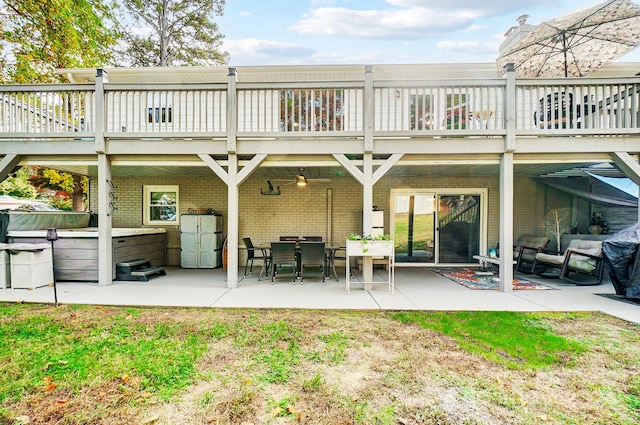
pixel 634 301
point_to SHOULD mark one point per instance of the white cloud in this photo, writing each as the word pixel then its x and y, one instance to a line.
pixel 251 51
pixel 407 24
pixel 486 5
pixel 468 47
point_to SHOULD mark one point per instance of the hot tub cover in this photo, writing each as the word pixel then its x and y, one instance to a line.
pixel 623 262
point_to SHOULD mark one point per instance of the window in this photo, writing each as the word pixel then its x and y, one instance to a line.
pixel 160 205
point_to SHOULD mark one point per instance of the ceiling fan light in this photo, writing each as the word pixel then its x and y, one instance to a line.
pixel 301 181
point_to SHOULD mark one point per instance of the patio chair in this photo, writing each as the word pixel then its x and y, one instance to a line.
pixel 283 254
pixel 254 253
pixel 525 250
pixel 338 254
pixel 312 238
pixel 581 258
pixel 289 238
pixel 312 254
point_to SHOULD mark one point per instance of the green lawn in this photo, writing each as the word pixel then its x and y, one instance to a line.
pixel 115 365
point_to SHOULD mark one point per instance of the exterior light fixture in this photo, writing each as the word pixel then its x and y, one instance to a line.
pixel 52 236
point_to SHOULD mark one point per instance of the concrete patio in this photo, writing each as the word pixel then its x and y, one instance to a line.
pixel 417 288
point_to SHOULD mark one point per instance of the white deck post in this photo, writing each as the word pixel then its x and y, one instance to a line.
pixel 232 222
pixel 106 189
pixel 506 184
pixel 233 193
pixel 105 220
pixel 367 170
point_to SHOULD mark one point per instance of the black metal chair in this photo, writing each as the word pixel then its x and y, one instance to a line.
pixel 338 254
pixel 312 254
pixel 312 238
pixel 283 254
pixel 254 253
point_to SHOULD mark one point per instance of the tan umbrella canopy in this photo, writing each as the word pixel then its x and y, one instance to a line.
pixel 577 44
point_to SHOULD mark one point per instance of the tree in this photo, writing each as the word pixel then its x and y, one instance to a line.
pixel 556 222
pixel 63 190
pixel 172 33
pixel 39 36
pixel 17 185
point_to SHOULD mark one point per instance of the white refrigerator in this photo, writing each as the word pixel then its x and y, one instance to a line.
pixel 377 223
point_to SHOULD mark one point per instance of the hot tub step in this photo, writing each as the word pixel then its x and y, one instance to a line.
pixel 139 269
pixel 143 274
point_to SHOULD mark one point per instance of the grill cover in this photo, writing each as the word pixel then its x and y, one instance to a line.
pixel 623 262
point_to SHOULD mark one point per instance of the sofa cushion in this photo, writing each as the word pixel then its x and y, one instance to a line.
pixel 530 241
pixel 586 246
pixel 583 264
pixel 550 258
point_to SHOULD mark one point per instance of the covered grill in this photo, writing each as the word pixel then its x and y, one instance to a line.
pixel 623 262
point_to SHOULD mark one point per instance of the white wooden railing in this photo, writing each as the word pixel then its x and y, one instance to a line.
pixel 425 108
pixel 434 107
pixel 151 109
pixel 579 106
pixel 51 111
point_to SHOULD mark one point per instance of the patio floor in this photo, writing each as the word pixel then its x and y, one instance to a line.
pixel 416 288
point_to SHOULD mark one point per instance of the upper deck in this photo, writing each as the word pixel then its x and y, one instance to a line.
pixel 421 109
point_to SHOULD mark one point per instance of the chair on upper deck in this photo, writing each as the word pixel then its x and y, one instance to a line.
pixel 283 254
pixel 312 254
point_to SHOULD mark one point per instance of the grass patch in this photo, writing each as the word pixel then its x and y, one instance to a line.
pixel 173 366
pixel 68 355
pixel 517 340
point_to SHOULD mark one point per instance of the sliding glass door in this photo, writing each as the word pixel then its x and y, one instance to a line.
pixel 438 227
pixel 458 228
pixel 414 233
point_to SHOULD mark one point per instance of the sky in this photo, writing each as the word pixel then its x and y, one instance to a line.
pixel 331 32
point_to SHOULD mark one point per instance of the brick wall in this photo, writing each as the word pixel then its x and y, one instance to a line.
pixel 303 211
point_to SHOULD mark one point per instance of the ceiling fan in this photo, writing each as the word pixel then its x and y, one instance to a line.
pixel 301 181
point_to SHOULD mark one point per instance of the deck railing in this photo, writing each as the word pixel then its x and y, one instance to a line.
pixel 47 111
pixel 151 109
pixel 591 106
pixel 301 108
pixel 417 108
pixel 423 109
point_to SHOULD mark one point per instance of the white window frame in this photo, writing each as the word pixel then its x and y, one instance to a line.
pixel 152 191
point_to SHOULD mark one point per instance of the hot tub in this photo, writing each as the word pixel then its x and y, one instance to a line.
pixel 75 252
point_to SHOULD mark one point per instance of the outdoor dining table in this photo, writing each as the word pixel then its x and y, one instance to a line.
pixel 330 251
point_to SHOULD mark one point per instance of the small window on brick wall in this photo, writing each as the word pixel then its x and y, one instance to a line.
pixel 160 205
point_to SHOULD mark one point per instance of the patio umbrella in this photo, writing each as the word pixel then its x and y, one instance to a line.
pixel 576 44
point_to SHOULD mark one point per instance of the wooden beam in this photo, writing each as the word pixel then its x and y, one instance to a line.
pixel 215 167
pixel 8 163
pixel 386 166
pixel 351 168
pixel 628 165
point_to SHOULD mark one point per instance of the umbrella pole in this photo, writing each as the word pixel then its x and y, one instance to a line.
pixel 564 51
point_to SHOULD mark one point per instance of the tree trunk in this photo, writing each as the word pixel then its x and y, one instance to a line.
pixel 78 195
